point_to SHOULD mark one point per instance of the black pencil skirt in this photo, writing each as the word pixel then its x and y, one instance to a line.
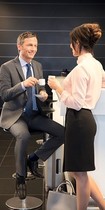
pixel 80 130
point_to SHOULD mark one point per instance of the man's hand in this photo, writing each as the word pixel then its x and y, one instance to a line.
pixel 29 82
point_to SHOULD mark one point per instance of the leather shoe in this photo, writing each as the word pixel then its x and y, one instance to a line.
pixel 21 187
pixel 33 167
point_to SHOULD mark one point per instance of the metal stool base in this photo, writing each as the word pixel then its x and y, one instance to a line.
pixel 27 204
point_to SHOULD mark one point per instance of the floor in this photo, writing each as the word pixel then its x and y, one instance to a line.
pixel 7 168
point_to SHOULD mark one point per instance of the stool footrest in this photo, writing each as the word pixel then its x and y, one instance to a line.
pixel 40 141
pixel 29 176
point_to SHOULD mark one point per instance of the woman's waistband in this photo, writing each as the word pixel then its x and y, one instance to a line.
pixel 79 110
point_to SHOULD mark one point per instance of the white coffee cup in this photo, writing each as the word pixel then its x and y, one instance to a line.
pixel 41 82
pixel 51 77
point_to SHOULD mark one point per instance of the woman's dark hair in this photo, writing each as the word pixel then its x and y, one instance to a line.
pixel 86 35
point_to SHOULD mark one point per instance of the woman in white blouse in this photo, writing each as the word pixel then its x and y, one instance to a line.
pixel 80 93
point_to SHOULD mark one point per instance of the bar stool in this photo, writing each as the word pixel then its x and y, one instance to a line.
pixel 30 202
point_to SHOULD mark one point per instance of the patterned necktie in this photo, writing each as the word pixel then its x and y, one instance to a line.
pixel 29 104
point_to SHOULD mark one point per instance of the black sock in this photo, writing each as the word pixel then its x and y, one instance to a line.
pixel 33 157
pixel 20 179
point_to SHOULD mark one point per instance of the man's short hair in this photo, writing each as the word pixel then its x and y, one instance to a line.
pixel 24 35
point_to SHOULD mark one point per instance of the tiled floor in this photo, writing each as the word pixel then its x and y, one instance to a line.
pixel 7 168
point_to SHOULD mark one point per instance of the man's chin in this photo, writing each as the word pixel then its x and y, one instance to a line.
pixel 30 58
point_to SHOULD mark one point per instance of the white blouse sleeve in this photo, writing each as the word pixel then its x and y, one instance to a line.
pixel 75 86
pixel 103 78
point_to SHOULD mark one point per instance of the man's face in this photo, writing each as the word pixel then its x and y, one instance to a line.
pixel 28 49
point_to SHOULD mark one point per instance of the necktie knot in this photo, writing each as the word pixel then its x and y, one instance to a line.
pixel 28 64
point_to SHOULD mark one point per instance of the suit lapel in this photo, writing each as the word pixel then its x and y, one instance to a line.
pixel 34 66
pixel 19 68
pixel 36 74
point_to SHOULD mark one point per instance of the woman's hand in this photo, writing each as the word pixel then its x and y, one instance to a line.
pixel 55 85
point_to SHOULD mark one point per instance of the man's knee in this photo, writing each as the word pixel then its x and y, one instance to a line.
pixel 23 136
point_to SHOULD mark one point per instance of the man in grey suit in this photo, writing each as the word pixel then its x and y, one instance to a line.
pixel 14 87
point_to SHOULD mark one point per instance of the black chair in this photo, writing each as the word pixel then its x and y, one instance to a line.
pixel 30 202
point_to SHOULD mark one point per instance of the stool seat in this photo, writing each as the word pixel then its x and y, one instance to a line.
pixel 27 204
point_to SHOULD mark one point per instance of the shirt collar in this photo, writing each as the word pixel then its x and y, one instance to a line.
pixel 84 56
pixel 22 62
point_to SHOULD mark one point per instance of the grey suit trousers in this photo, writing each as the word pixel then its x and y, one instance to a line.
pixel 20 130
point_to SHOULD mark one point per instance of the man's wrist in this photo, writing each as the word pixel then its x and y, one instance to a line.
pixel 23 87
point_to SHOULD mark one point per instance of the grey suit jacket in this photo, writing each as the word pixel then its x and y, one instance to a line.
pixel 14 97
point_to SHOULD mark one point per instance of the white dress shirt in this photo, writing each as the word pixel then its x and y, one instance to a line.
pixel 82 86
pixel 24 68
